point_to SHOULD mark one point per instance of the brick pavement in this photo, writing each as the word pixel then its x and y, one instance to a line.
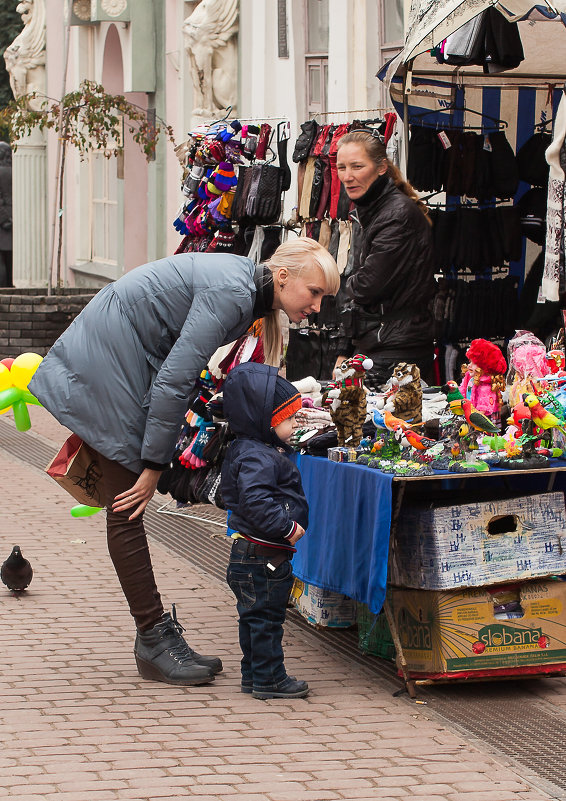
pixel 77 722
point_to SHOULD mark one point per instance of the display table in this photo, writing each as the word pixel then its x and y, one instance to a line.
pixel 353 510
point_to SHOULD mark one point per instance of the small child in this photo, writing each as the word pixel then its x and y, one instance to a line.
pixel 262 488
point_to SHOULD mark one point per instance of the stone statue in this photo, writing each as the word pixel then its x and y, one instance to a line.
pixel 210 36
pixel 25 57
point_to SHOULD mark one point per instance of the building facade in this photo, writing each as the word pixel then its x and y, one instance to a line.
pixel 184 63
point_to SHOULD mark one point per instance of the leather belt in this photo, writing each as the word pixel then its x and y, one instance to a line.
pixel 276 556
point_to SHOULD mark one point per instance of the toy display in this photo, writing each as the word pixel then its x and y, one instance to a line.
pixel 468 433
pixel 346 399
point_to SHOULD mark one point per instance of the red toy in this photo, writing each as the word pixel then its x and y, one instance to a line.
pixel 484 379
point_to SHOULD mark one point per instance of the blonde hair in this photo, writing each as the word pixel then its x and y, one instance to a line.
pixel 377 153
pixel 295 256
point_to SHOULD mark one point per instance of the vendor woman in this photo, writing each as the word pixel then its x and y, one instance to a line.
pixel 393 283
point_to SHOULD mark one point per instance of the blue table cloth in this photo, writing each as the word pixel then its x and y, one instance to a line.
pixel 347 543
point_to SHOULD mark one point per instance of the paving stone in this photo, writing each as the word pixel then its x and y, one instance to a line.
pixel 79 724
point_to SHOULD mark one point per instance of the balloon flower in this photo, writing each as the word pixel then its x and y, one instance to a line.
pixel 82 510
pixel 15 375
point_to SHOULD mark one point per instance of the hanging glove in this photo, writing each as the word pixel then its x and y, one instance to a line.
pixel 267 207
pixel 203 437
pixel 305 140
pixel 230 131
pixel 191 183
pixel 263 141
pixel 250 142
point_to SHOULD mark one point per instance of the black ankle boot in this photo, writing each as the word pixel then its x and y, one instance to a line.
pixel 163 655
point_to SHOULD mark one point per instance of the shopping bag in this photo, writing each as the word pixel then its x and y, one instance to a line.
pixel 76 469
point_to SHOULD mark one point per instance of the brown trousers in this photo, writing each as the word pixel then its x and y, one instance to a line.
pixel 129 550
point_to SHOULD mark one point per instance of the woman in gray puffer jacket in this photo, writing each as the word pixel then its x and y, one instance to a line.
pixel 388 317
pixel 122 376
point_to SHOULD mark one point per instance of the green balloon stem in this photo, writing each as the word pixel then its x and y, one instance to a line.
pixel 21 416
pixel 85 511
pixel 27 397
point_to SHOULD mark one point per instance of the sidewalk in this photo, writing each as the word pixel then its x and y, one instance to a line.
pixel 79 724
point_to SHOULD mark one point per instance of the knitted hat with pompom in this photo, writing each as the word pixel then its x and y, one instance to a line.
pixel 286 401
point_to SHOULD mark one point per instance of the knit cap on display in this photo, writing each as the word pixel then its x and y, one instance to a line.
pixel 286 401
pixel 224 176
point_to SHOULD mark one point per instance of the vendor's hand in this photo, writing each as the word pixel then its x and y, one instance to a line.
pixel 139 495
pixel 299 531
pixel 339 360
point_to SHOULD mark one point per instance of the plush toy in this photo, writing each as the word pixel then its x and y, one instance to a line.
pixel 346 399
pixel 405 393
pixel 484 378
pixel 526 365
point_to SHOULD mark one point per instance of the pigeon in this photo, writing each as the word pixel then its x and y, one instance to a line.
pixel 16 572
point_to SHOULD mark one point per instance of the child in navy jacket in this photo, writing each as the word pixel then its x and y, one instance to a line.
pixel 262 489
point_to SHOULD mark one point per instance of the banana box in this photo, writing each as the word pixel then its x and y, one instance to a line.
pixel 482 630
pixel 323 607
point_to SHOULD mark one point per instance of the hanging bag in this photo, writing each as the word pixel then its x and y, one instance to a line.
pixel 76 469
pixel 467 44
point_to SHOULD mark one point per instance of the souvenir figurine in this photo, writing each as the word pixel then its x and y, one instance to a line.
pixel 484 378
pixel 555 362
pixel 346 399
pixel 405 394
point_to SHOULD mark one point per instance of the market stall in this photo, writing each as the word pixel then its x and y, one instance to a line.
pixel 460 108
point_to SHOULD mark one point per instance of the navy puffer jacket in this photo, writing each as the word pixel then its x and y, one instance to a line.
pixel 260 485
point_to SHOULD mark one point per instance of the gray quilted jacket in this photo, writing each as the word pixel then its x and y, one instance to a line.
pixel 122 374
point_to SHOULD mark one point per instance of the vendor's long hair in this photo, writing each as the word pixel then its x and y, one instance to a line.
pixel 295 256
pixel 377 153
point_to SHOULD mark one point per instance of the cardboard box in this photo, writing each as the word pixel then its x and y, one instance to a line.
pixel 323 607
pixel 457 632
pixel 470 545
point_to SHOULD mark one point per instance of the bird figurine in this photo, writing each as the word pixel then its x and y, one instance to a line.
pixel 519 414
pixel 477 420
pixel 417 441
pixel 385 420
pixel 16 572
pixel 541 417
pixel 454 397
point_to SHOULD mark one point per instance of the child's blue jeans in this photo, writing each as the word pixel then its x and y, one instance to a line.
pixel 262 596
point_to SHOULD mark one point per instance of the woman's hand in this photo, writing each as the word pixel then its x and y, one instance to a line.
pixel 139 495
pixel 339 360
pixel 297 535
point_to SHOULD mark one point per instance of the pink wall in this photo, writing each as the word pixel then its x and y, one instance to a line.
pixel 135 165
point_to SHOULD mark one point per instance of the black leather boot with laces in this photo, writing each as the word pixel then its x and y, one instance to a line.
pixel 163 655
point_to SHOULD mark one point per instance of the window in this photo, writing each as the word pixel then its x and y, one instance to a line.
pixel 392 26
pixel 316 56
pixel 104 208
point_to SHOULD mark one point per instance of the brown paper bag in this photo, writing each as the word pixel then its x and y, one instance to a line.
pixel 76 469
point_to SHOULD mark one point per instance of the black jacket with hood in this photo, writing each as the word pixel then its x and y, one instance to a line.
pixel 260 485
pixel 393 279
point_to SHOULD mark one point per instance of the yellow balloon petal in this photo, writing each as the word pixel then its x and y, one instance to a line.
pixel 23 368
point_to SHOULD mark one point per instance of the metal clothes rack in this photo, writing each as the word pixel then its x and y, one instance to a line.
pixel 384 109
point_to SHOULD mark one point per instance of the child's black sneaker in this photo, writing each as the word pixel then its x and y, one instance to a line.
pixel 247 686
pixel 288 688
